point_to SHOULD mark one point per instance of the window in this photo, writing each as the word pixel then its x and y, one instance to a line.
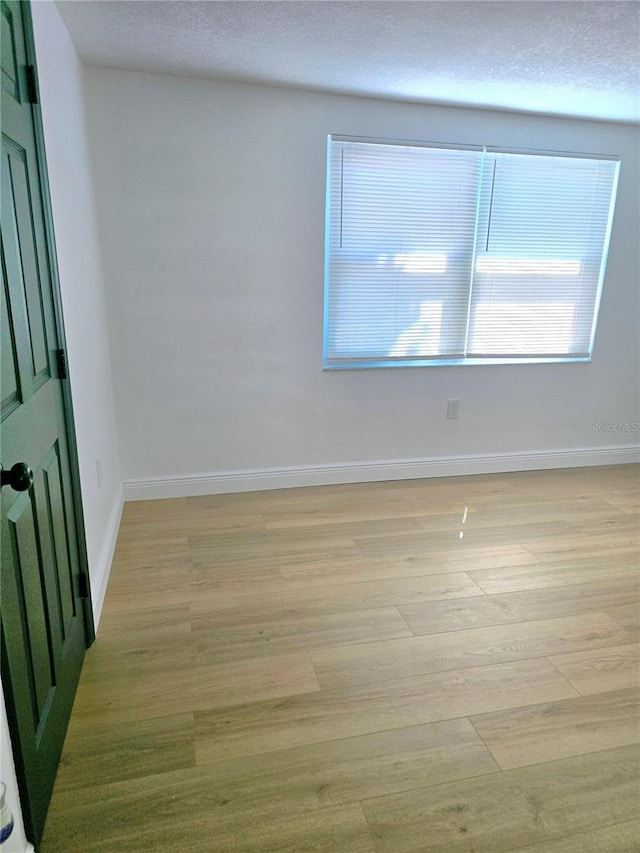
pixel 450 255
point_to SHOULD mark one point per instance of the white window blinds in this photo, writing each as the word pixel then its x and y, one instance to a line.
pixel 462 255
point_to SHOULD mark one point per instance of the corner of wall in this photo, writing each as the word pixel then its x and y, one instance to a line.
pixel 101 570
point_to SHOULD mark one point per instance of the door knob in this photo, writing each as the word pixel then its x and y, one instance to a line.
pixel 19 477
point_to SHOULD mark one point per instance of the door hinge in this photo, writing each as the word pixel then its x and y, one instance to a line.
pixel 32 84
pixel 61 359
pixel 83 585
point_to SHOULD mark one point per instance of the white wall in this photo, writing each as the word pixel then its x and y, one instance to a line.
pixel 81 285
pixel 211 213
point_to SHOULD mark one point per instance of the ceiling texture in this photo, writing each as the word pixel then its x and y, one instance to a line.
pixel 557 57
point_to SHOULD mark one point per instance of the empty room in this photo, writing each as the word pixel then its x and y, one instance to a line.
pixel 320 413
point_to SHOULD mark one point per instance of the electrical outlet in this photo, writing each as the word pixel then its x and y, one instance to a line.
pixel 453 409
pixel 99 472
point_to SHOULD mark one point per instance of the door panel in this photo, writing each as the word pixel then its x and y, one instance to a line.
pixel 9 376
pixel 57 531
pixel 20 219
pixel 8 54
pixel 45 625
pixel 30 603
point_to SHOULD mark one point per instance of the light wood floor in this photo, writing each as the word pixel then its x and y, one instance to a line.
pixel 436 665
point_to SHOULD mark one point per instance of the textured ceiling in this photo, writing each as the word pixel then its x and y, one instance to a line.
pixel 562 57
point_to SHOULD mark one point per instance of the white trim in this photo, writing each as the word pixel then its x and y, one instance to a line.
pixel 100 575
pixel 224 482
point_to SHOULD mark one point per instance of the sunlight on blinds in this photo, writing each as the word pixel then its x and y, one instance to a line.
pixel 444 254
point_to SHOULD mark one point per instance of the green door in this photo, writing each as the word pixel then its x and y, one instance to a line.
pixel 46 624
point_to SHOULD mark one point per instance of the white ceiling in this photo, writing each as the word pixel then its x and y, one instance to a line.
pixel 561 57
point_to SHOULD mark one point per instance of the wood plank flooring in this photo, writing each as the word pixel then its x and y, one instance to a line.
pixel 427 665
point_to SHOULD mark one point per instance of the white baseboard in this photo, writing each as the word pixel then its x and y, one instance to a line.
pixel 100 573
pixel 224 482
